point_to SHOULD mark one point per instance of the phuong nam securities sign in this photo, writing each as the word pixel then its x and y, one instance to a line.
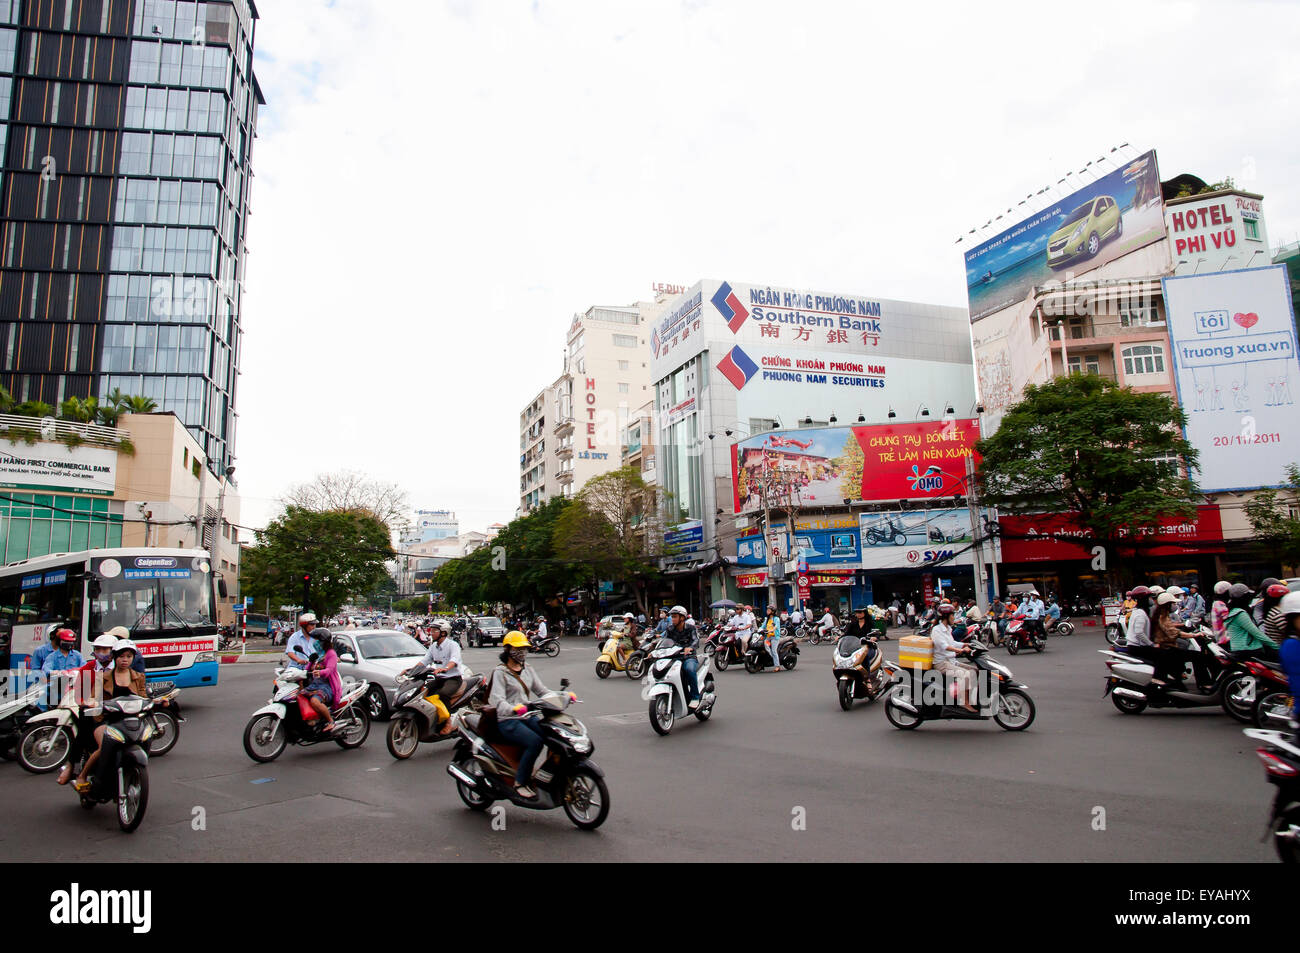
pixel 53 466
pixel 1235 362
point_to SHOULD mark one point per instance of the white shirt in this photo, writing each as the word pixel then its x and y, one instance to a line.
pixel 541 629
pixel 827 622
pixel 440 654
pixel 745 622
pixel 941 635
pixel 797 617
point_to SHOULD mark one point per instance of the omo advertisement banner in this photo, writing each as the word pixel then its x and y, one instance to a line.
pixel 1046 537
pixel 1234 345
pixel 828 465
pixel 915 538
pixel 1088 228
pixel 54 466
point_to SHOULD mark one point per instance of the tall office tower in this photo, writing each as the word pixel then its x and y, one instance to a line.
pixel 127 128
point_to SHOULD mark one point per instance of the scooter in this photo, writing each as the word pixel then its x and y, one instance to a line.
pixel 416 719
pixel 928 696
pixel 14 715
pixel 484 763
pixel 50 738
pixel 891 532
pixel 1018 637
pixel 549 646
pixel 1058 626
pixel 729 650
pixel 665 689
pixel 1280 755
pixel 1274 707
pixel 126 748
pixel 1131 691
pixel 861 670
pixel 288 719
pixel 613 658
pixel 757 656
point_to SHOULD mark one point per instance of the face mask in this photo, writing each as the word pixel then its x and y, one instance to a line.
pixel 518 655
pixel 104 657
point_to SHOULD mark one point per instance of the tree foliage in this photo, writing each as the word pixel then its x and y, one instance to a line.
pixel 351 492
pixel 1082 443
pixel 1272 517
pixel 344 551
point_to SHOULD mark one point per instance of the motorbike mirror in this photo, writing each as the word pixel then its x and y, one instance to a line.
pixel 347 657
pixel 564 683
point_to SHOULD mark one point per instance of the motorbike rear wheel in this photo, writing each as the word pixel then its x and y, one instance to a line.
pixel 661 714
pixel 167 731
pixel 358 730
pixel 133 799
pixel 1286 835
pixel 702 713
pixel 636 665
pixel 1129 706
pixel 897 716
pixel 1064 628
pixel 403 739
pixel 1113 633
pixel 586 799
pixel 1239 697
pixel 552 649
pixel 44 748
pixel 846 695
pixel 789 662
pixel 474 800
pixel 603 669
pixel 1040 644
pixel 265 738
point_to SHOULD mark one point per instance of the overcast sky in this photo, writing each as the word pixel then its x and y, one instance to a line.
pixel 440 186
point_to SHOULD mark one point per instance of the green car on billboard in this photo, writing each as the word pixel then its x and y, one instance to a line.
pixel 1082 232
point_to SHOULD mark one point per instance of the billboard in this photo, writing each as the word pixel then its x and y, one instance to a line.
pixel 54 466
pixel 912 539
pixel 827 465
pixel 1088 228
pixel 1210 234
pixel 1008 357
pixel 1044 537
pixel 1234 349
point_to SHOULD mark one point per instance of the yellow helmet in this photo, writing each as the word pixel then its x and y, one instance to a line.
pixel 515 640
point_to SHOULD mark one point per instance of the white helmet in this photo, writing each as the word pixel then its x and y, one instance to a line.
pixel 105 641
pixel 124 645
pixel 1155 590
pixel 1165 598
pixel 1290 603
pixel 678 610
pixel 307 617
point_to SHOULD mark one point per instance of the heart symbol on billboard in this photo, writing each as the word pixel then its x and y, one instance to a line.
pixel 1247 320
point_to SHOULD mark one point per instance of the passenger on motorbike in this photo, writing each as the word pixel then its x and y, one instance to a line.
pixel 1244 638
pixel 300 648
pixel 116 681
pixel 946 650
pixel 513 686
pixel 1274 622
pixel 1034 609
pixel 1219 610
pixel 324 687
pixel 1290 650
pixel 1261 604
pixel 744 627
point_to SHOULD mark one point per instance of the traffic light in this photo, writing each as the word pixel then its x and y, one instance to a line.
pixel 306 591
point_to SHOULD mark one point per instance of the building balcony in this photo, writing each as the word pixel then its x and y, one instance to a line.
pixel 564 477
pixel 563 426
pixel 565 451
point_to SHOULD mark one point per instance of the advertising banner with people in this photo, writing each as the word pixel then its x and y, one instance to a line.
pixel 826 466
pixel 1235 360
pixel 1086 229
pixel 911 539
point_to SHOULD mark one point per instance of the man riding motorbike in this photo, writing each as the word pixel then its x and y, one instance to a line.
pixel 688 637
pixel 300 647
pixel 444 665
pixel 946 650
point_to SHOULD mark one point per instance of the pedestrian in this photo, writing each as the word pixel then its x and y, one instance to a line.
pixel 772 637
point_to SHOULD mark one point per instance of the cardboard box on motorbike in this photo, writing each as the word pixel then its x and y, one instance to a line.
pixel 916 652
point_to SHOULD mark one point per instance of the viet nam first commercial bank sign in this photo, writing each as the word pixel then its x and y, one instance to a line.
pixel 52 466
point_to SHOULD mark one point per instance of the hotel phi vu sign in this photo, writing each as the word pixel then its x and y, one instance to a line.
pixel 53 466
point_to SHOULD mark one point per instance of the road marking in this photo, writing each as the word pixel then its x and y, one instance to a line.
pixel 261 780
pixel 628 718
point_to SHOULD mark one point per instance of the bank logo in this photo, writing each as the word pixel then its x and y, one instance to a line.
pixel 737 367
pixel 654 341
pixel 729 306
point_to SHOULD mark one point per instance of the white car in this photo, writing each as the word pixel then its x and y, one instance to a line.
pixel 378 655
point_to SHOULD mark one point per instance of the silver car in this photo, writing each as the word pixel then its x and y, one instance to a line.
pixel 378 655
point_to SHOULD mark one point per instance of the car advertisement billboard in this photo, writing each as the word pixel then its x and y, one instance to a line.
pixel 825 466
pixel 911 539
pixel 1088 228
pixel 1234 345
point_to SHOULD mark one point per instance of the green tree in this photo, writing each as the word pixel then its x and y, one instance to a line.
pixel 139 405
pixel 1083 444
pixel 1272 517
pixel 612 529
pixel 344 552
pixel 80 410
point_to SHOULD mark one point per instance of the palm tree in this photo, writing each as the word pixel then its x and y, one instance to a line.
pixel 79 410
pixel 33 408
pixel 140 405
pixel 6 400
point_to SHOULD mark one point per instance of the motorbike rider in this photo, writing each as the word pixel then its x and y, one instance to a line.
pixel 859 626
pixel 514 684
pixel 946 650
pixel 1259 608
pixel 44 651
pixel 540 636
pixel 826 623
pixel 1219 610
pixel 300 647
pixel 1244 638
pixel 744 627
pixel 682 633
pixel 1289 653
pixel 1194 606
pixel 1139 622
pixel 117 681
pixel 1275 620
pixel 445 675
pixel 664 622
pixel 1033 610
pixel 324 687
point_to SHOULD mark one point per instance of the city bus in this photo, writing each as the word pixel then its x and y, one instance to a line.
pixel 164 597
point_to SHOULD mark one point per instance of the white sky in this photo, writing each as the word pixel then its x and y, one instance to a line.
pixel 440 186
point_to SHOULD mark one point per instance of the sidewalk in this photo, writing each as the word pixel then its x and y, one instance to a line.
pixel 259 649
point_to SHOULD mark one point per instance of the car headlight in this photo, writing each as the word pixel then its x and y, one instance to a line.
pixel 206 657
pixel 1078 231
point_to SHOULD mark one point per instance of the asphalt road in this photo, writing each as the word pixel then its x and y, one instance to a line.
pixel 1174 785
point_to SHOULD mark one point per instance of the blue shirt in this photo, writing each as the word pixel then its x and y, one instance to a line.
pixel 1290 655
pixel 40 655
pixel 1032 609
pixel 58 662
pixel 301 644
pixel 1054 611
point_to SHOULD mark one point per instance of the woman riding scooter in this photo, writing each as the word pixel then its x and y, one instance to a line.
pixel 513 686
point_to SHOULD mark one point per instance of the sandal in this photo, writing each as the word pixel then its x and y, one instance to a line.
pixel 80 786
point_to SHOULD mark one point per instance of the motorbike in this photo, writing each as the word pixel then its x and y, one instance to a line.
pixel 126 742
pixel 1058 626
pixel 15 712
pixel 1019 637
pixel 815 636
pixel 611 659
pixel 665 689
pixel 1129 685
pixel 757 657
pixel 165 714
pixel 415 719
pixel 1280 755
pixel 283 720
pixel 891 532
pixel 728 650
pixel 926 696
pixel 861 670
pixel 484 763
pixel 1273 691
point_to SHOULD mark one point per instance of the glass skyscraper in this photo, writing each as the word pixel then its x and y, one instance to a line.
pixel 127 129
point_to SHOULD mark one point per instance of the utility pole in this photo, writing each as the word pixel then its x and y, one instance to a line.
pixel 972 504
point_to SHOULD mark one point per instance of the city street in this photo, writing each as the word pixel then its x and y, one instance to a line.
pixel 1174 786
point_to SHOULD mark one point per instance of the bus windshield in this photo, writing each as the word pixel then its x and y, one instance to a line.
pixel 149 605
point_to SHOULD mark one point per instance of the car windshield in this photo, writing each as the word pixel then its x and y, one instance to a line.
pixel 389 645
pixel 490 622
pixel 1080 213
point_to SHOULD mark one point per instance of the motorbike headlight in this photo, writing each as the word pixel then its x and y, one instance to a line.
pixel 115 734
pixel 149 731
